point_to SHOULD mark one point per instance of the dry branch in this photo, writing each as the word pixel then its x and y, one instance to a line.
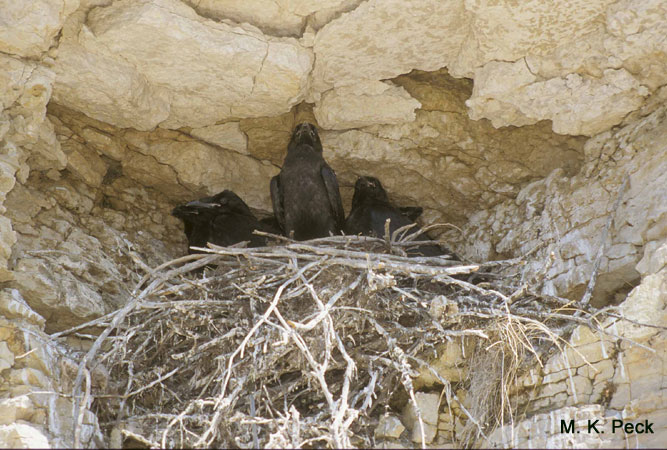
pixel 303 343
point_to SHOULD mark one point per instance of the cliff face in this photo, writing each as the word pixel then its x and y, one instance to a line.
pixel 514 121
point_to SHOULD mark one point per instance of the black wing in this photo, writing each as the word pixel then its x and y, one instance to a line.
pixel 331 183
pixel 277 201
pixel 411 212
pixel 270 225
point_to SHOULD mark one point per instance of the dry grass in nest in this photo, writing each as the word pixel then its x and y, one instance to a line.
pixel 304 344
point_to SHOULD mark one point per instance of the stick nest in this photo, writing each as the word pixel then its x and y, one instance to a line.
pixel 306 344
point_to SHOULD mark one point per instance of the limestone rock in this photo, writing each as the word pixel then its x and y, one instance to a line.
pixel 468 163
pixel 505 30
pixel 269 16
pixel 525 101
pixel 645 304
pixel 7 241
pixel 13 306
pixel 6 357
pixel 363 104
pixel 195 166
pixel 268 137
pixel 28 28
pixel 390 427
pixel 428 408
pixel 655 258
pixel 588 76
pixel 225 135
pixel 127 100
pixel 24 93
pixel 17 408
pixel 22 435
pixel 62 296
pixel 583 202
pixel 231 71
pixel 381 39
pixel 275 17
pixel 84 163
pixel 449 364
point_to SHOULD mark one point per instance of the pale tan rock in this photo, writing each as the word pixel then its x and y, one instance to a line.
pixel 579 388
pixel 574 210
pixel 13 306
pixel 62 295
pixel 226 135
pixel 506 30
pixel 604 370
pixel 275 17
pixel 29 377
pixel 449 364
pixel 85 163
pixel 269 16
pixel 554 377
pixel 468 162
pixel 445 422
pixel 22 435
pixel 268 137
pixel 390 427
pixel 25 92
pixel 382 39
pixel 7 241
pixel 363 104
pixel 231 71
pixel 6 356
pixel 28 28
pixel 127 99
pixel 17 408
pixel 586 65
pixel 608 99
pixel 201 167
pixel 655 258
pixel 553 389
pixel 105 144
pixel 430 432
pixel 428 408
pixel 645 304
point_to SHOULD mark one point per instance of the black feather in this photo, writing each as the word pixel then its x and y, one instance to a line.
pixel 371 208
pixel 222 219
pixel 305 196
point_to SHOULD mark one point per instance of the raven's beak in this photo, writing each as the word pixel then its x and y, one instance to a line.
pixel 305 130
pixel 199 204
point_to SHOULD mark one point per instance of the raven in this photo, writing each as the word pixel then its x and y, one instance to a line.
pixel 371 209
pixel 305 196
pixel 222 219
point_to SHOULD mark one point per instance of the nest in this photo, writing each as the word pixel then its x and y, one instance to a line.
pixel 306 344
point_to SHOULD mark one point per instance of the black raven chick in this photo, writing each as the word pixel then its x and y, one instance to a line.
pixel 305 196
pixel 370 210
pixel 222 219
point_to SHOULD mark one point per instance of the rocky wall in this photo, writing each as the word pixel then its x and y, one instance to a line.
pixel 515 123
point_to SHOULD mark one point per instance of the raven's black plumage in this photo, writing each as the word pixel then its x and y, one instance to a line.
pixel 271 225
pixel 370 210
pixel 305 195
pixel 222 219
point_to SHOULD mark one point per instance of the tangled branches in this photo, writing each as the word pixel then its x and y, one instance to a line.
pixel 306 343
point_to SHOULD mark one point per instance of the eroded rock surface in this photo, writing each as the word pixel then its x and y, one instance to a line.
pixel 175 68
pixel 572 212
